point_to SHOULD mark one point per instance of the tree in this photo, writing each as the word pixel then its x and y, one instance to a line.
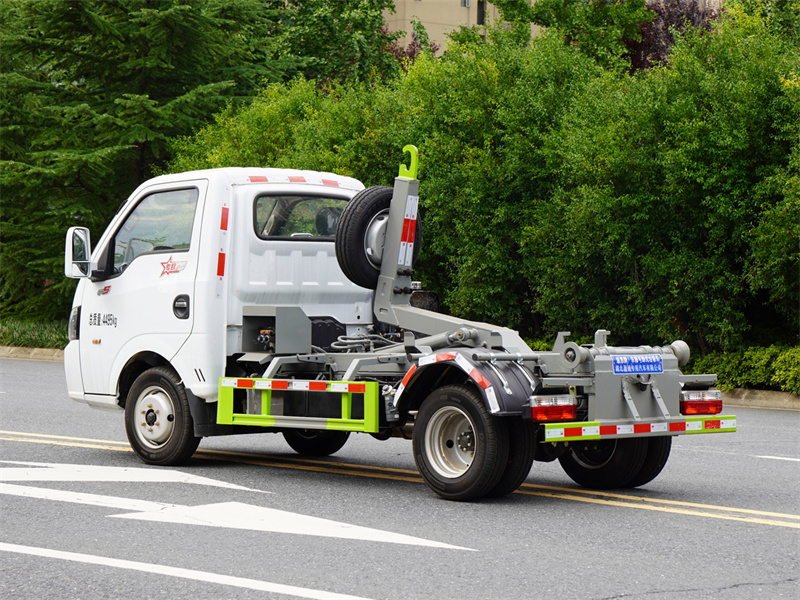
pixel 676 210
pixel 343 41
pixel 599 28
pixel 91 92
pixel 657 36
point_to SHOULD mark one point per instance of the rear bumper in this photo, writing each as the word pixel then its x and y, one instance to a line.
pixel 597 430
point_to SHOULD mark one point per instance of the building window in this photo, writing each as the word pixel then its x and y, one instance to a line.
pixel 481 12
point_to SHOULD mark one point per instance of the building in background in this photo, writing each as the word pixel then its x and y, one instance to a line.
pixel 439 17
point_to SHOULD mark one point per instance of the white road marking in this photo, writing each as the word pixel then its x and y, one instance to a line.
pixel 235 515
pixel 231 515
pixel 67 472
pixel 152 568
pixel 780 458
pixel 79 498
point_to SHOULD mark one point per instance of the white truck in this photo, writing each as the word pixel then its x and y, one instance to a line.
pixel 272 300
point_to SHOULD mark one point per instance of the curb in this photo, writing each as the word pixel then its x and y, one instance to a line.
pixel 51 354
pixel 760 399
pixel 733 398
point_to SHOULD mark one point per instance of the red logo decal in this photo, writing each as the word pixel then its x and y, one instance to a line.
pixel 172 266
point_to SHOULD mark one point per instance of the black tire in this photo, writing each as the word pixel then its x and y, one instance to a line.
pixel 604 464
pixel 359 244
pixel 315 442
pixel 459 448
pixel 158 420
pixel 658 449
pixel 521 452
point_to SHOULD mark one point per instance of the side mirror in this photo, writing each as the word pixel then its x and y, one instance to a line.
pixel 77 253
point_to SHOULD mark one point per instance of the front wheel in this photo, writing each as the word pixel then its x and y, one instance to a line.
pixel 157 418
pixel 460 449
pixel 315 442
pixel 604 464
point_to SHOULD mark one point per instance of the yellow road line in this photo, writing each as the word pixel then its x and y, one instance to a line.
pixel 659 501
pixel 251 459
pixel 374 472
pixel 666 509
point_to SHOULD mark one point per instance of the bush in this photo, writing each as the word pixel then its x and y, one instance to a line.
pixel 772 367
pixel 33 334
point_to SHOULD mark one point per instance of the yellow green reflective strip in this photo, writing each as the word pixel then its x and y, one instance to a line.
pixel 711 424
pixel 258 410
pixel 595 430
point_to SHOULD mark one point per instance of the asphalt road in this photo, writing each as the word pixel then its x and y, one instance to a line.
pixel 81 517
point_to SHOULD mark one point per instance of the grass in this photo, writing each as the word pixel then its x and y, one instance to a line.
pixel 33 334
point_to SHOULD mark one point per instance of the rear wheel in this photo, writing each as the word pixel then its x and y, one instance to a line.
pixel 658 449
pixel 521 451
pixel 604 464
pixel 459 448
pixel 315 442
pixel 157 418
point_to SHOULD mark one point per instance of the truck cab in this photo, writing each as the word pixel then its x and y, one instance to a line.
pixel 182 274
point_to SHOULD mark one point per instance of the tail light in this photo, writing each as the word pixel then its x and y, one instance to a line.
pixel 701 402
pixel 554 408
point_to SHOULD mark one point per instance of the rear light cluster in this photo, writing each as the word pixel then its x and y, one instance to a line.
pixel 554 408
pixel 701 402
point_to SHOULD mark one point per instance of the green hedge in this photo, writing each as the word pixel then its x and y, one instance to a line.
pixel 33 334
pixel 773 367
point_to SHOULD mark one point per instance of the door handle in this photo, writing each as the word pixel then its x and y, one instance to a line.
pixel 180 306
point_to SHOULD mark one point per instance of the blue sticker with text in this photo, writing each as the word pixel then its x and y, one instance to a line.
pixel 640 363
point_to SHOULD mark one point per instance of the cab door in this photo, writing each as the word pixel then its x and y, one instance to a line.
pixel 143 298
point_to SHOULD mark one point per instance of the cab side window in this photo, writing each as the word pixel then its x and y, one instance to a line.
pixel 298 217
pixel 161 222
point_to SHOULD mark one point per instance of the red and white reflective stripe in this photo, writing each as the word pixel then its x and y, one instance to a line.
pixel 310 386
pixel 223 232
pixel 465 366
pixel 473 373
pixel 294 385
pixel 490 396
pixel 293 179
pixel 409 231
pixel 435 358
pixel 403 384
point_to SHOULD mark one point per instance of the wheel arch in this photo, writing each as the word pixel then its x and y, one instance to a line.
pixel 136 365
pixel 456 366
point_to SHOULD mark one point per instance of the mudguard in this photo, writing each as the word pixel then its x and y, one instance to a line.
pixel 504 385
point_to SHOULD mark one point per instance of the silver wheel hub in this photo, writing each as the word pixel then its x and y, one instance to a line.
pixel 155 417
pixel 375 237
pixel 450 442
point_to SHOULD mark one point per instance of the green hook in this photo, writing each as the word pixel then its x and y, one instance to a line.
pixel 410 172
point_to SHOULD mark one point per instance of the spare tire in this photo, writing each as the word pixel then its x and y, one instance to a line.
pixel 361 234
